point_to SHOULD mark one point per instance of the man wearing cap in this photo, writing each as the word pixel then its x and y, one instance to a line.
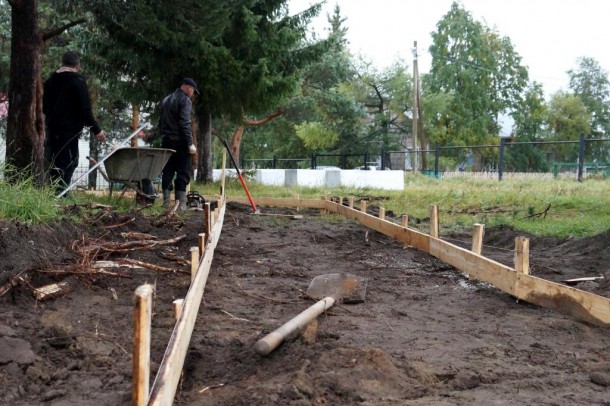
pixel 67 110
pixel 177 134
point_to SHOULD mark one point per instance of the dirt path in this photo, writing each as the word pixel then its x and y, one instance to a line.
pixel 426 335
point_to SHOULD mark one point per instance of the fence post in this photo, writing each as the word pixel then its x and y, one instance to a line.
pixel 383 165
pixel 274 164
pixel 501 158
pixel 581 157
pixel 313 161
pixel 366 159
pixel 437 155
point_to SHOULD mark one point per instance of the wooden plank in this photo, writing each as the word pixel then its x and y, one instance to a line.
pixel 279 202
pixel 564 299
pixel 168 376
pixel 395 231
pixel 501 276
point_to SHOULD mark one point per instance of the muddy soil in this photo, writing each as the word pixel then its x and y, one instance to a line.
pixel 426 334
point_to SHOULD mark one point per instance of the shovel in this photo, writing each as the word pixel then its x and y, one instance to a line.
pixel 330 289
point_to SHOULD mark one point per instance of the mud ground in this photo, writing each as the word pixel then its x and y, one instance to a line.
pixel 426 334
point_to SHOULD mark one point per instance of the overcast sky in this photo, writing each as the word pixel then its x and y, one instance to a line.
pixel 548 34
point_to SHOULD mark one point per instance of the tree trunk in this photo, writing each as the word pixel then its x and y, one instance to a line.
pixel 25 133
pixel 239 131
pixel 235 143
pixel 204 147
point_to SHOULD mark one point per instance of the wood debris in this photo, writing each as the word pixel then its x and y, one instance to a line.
pixel 138 236
pixel 127 246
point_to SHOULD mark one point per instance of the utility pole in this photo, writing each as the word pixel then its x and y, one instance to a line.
pixel 415 106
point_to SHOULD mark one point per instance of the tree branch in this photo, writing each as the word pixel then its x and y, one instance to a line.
pixel 57 31
pixel 270 117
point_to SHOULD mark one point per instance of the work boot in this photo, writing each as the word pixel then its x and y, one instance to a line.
pixel 166 195
pixel 181 197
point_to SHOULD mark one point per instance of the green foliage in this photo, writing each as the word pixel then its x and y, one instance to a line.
pixel 482 72
pixel 567 118
pixel 316 136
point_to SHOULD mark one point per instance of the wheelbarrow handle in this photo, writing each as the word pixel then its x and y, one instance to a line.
pixel 272 340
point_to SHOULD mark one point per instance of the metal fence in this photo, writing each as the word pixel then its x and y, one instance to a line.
pixel 577 159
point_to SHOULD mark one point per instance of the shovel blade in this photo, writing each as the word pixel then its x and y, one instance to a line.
pixel 343 287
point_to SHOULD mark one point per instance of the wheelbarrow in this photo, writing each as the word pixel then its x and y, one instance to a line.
pixel 136 168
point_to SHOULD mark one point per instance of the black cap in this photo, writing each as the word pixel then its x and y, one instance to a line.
pixel 190 82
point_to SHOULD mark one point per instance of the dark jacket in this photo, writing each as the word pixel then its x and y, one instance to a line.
pixel 66 104
pixel 175 120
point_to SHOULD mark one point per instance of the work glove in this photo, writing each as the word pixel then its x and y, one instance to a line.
pixel 192 150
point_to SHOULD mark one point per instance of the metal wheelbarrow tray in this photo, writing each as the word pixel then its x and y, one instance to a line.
pixel 131 165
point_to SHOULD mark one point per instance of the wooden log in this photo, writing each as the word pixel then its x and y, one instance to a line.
pixel 52 291
pixel 141 345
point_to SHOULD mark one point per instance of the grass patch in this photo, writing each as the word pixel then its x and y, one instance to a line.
pixel 576 209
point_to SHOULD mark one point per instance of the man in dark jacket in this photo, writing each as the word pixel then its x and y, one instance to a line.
pixel 177 134
pixel 67 110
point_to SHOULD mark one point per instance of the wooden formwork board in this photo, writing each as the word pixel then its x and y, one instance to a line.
pixel 580 304
pixel 279 202
pixel 166 381
pixel 574 302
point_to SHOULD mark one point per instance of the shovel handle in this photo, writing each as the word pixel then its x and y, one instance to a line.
pixel 272 340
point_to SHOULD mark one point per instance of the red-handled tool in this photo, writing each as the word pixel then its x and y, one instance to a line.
pixel 241 178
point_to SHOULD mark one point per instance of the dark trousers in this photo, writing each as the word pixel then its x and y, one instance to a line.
pixel 177 171
pixel 62 150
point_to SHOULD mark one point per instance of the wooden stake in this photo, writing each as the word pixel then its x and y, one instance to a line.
pixel 434 221
pixel 381 213
pixel 363 206
pixel 178 308
pixel 350 201
pixel 222 174
pixel 522 255
pixel 297 197
pixel 404 220
pixel 323 211
pixel 477 238
pixel 194 262
pixel 208 218
pixel 201 244
pixel 141 345
pixel 340 200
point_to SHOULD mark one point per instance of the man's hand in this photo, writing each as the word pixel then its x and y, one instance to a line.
pixel 101 136
pixel 192 150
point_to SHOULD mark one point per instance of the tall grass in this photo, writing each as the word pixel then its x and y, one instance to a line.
pixel 574 209
pixel 23 202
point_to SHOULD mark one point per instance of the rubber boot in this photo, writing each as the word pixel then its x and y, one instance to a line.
pixel 181 197
pixel 166 195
